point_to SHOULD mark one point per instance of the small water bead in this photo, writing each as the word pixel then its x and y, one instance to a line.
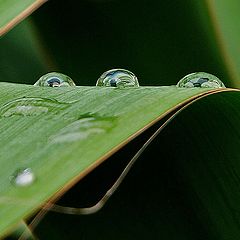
pixel 83 128
pixel 55 79
pixel 31 107
pixel 118 78
pixel 23 177
pixel 200 79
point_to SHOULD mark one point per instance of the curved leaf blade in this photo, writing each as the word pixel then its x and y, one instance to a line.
pixel 14 11
pixel 185 185
pixel 64 133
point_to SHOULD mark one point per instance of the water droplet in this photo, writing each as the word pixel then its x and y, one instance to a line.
pixel 200 79
pixel 30 107
pixel 118 78
pixel 83 128
pixel 54 79
pixel 23 177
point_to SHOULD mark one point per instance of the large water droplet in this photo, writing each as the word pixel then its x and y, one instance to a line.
pixel 23 177
pixel 30 107
pixel 200 79
pixel 54 79
pixel 83 128
pixel 118 78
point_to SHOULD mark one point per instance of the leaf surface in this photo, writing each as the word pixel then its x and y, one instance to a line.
pixel 62 134
pixel 184 186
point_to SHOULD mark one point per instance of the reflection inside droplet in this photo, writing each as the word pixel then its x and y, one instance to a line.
pixel 23 177
pixel 200 79
pixel 118 78
pixel 54 79
pixel 54 82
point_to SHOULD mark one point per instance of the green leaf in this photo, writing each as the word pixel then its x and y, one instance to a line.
pixel 185 186
pixel 224 16
pixel 13 11
pixel 62 134
pixel 21 229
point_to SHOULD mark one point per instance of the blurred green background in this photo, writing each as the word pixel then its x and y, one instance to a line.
pixel 160 41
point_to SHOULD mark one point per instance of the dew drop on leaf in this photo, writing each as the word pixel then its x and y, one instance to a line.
pixel 31 107
pixel 200 79
pixel 55 79
pixel 118 78
pixel 23 177
pixel 85 127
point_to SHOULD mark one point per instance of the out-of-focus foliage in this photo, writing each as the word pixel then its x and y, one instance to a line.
pixel 160 42
pixel 22 56
pixel 14 11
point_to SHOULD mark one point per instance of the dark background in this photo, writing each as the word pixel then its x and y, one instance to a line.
pixel 160 41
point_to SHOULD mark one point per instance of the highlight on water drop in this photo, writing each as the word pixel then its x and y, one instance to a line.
pixel 200 79
pixel 117 78
pixel 55 79
pixel 23 177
